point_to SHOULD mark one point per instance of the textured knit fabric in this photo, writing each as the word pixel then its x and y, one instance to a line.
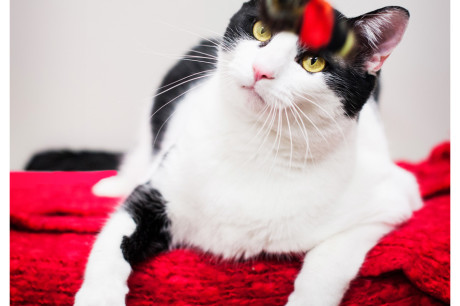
pixel 55 219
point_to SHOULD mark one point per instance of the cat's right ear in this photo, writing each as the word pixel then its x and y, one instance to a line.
pixel 380 31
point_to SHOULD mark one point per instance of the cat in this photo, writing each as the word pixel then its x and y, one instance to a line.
pixel 259 145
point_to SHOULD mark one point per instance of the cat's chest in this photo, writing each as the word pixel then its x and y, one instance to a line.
pixel 223 202
pixel 240 211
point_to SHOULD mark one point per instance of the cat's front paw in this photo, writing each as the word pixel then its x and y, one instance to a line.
pixel 101 296
pixel 300 299
pixel 297 300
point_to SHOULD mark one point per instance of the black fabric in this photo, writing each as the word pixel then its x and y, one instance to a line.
pixel 67 160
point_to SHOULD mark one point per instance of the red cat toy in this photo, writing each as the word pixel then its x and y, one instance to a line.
pixel 317 23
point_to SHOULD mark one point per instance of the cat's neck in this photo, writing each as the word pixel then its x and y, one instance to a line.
pixel 279 141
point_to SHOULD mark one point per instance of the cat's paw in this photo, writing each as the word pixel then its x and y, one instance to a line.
pixel 297 300
pixel 302 299
pixel 101 296
pixel 114 186
pixel 296 303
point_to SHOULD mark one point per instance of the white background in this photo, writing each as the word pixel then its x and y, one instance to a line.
pixel 82 71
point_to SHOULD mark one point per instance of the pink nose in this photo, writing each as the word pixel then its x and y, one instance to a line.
pixel 261 73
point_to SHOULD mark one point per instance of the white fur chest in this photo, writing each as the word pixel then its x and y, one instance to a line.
pixel 244 214
pixel 222 202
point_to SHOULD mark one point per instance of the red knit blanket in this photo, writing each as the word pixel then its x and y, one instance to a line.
pixel 54 220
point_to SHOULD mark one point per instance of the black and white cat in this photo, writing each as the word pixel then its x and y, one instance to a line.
pixel 257 145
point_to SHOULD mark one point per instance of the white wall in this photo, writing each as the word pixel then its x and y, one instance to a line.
pixel 83 70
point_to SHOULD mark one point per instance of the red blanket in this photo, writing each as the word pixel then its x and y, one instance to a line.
pixel 54 220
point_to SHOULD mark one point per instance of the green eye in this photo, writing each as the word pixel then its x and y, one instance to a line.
pixel 313 63
pixel 261 32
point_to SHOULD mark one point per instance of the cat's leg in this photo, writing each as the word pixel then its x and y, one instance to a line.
pixel 329 267
pixel 107 270
pixel 137 230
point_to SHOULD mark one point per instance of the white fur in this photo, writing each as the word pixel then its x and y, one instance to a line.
pixel 107 271
pixel 240 180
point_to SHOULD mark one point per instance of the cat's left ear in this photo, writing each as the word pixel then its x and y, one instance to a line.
pixel 380 31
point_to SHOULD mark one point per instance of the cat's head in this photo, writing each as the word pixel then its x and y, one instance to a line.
pixel 267 68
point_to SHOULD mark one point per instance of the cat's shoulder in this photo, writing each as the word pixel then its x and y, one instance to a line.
pixel 196 65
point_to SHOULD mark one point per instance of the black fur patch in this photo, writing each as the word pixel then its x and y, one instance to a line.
pixel 241 24
pixel 185 70
pixel 353 86
pixel 151 237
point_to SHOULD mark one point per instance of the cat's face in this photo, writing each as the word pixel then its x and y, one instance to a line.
pixel 263 68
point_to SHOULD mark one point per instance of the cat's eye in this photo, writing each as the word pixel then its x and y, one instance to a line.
pixel 313 63
pixel 261 32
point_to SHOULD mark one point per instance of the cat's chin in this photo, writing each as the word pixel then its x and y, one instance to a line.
pixel 255 101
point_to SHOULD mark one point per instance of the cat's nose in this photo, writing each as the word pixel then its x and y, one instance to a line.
pixel 261 73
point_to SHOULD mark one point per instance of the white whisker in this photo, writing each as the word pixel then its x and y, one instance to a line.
pixel 182 83
pixel 304 133
pixel 272 122
pixel 256 121
pixel 188 31
pixel 172 83
pixel 161 127
pixel 312 123
pixel 327 113
pixel 205 54
pixel 290 139
pixel 278 137
pixel 187 91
